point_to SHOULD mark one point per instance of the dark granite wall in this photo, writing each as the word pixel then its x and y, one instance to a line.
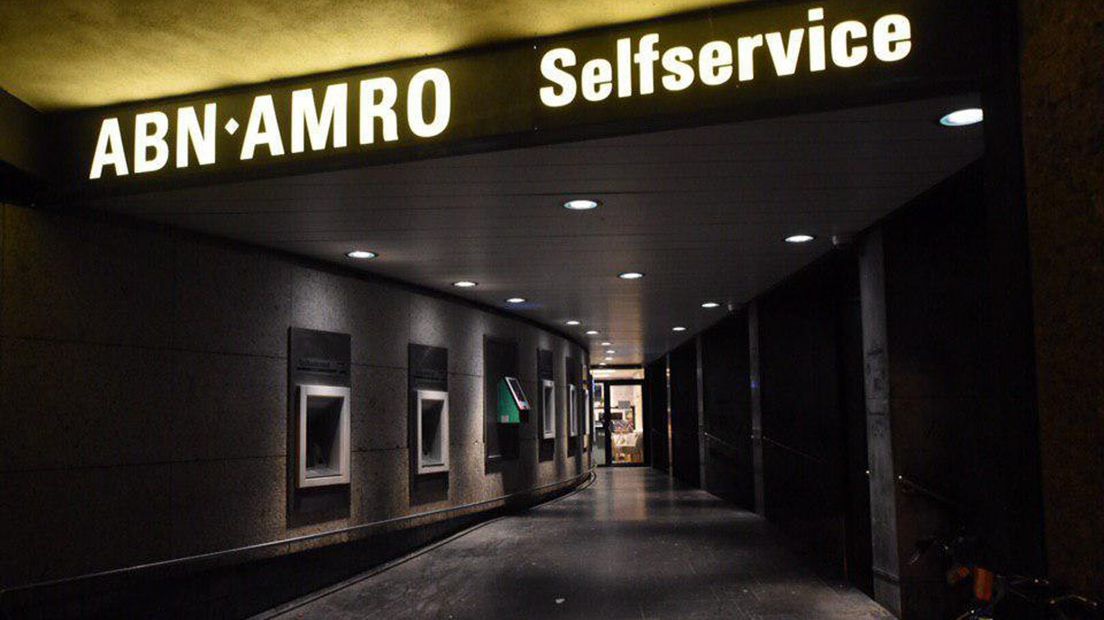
pixel 945 436
pixel 726 399
pixel 655 385
pixel 811 373
pixel 951 434
pixel 685 461
pixel 143 385
pixel 1062 90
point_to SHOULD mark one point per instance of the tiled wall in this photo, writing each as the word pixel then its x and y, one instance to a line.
pixel 143 393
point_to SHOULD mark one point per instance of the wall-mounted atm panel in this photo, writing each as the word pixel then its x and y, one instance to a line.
pixel 548 409
pixel 429 410
pixel 572 411
pixel 512 402
pixel 573 381
pixel 501 440
pixel 547 400
pixel 319 420
pixel 429 423
pixel 588 409
pixel 323 455
pixel 432 416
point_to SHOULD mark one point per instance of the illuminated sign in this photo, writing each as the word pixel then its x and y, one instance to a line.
pixel 718 62
pixel 753 60
pixel 317 125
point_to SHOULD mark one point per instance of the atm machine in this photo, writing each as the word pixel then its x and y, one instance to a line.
pixel 511 401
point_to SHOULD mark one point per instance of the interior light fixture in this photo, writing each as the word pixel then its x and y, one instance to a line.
pixel 610 351
pixel 709 305
pixel 581 204
pixel 465 284
pixel 801 238
pixel 678 329
pixel 515 300
pixel 572 322
pixel 606 344
pixel 361 254
pixel 609 359
pixel 630 275
pixel 602 364
pixel 592 332
pixel 963 118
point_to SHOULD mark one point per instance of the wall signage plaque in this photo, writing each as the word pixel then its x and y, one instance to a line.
pixel 752 60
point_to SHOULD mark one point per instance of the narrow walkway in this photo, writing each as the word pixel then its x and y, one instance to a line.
pixel 633 545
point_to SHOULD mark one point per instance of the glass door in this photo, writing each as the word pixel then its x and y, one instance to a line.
pixel 625 422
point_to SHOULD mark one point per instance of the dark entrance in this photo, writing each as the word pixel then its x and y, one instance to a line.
pixel 620 423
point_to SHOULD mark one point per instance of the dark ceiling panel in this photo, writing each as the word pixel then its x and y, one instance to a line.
pixel 701 211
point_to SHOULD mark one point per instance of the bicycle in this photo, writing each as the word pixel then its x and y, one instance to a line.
pixel 996 596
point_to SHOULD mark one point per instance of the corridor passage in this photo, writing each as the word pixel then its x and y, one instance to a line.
pixel 634 544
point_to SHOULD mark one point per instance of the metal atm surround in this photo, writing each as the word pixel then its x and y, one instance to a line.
pixel 588 409
pixel 587 421
pixel 323 455
pixel 572 411
pixel 432 429
pixel 548 408
pixel 573 381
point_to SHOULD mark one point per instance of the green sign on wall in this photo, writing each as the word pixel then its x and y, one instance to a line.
pixel 511 401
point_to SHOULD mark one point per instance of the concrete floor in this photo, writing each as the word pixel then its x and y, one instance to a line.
pixel 632 545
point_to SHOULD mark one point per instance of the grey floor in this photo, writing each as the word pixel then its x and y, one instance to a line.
pixel 632 545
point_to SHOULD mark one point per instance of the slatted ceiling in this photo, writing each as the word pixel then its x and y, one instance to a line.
pixel 519 222
pixel 701 211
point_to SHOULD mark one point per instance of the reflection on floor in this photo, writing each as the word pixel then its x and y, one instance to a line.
pixel 632 545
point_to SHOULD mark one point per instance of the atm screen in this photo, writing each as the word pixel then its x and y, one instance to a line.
pixel 517 393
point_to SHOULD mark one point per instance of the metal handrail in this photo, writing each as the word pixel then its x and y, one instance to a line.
pixel 909 485
pixel 285 541
pixel 804 455
pixel 721 441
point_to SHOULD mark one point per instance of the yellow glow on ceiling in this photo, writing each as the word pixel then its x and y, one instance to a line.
pixel 62 54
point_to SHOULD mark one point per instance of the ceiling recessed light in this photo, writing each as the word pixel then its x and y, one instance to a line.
pixel 678 329
pixel 709 305
pixel 601 363
pixel 630 275
pixel 963 118
pixel 581 204
pixel 465 284
pixel 361 254
pixel 610 351
pixel 802 238
pixel 609 359
pixel 606 344
pixel 515 300
pixel 571 322
pixel 592 332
